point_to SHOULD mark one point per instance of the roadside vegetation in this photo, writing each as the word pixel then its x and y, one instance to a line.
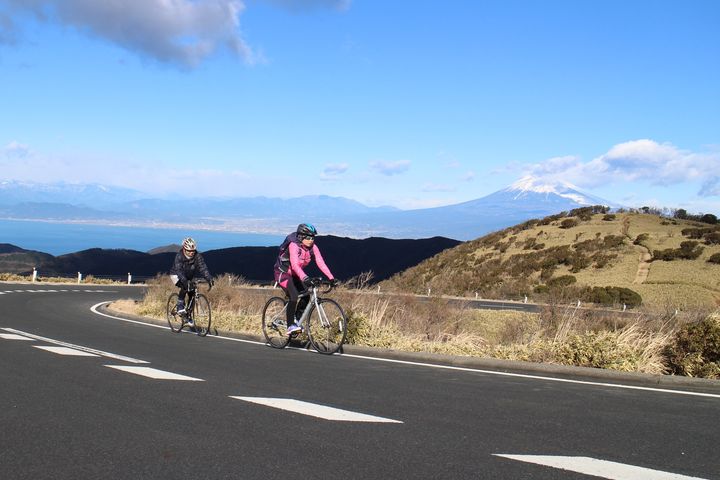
pixel 658 341
pixel 87 280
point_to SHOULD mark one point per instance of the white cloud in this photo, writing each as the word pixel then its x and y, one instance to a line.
pixel 390 168
pixel 333 171
pixel 469 176
pixel 635 161
pixel 16 149
pixel 180 32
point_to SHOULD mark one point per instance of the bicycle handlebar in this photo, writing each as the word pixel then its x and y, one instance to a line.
pixel 319 282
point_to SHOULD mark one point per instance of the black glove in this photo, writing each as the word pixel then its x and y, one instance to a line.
pixel 308 282
pixel 334 282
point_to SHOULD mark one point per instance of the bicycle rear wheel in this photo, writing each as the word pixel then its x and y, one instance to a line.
pixel 327 326
pixel 201 315
pixel 174 320
pixel 273 323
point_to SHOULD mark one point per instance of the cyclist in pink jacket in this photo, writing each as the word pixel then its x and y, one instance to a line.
pixel 296 253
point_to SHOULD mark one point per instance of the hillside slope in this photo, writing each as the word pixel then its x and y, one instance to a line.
pixel 565 256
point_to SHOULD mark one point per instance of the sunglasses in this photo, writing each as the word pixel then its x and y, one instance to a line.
pixel 307 237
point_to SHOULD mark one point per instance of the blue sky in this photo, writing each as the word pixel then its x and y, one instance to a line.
pixel 411 104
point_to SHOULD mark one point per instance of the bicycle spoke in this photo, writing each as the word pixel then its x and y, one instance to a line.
pixel 174 320
pixel 273 323
pixel 327 326
pixel 202 317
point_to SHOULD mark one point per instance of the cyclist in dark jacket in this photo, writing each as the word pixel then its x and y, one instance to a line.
pixel 188 264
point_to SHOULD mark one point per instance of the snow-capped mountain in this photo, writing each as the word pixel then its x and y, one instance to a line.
pixel 530 187
pixel 527 198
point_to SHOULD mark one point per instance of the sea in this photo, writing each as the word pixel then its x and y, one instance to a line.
pixel 61 238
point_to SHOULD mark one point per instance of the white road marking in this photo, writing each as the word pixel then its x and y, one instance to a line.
pixel 76 347
pixel 599 468
pixel 9 291
pixel 66 351
pixel 3 293
pixel 315 410
pixel 154 373
pixel 12 336
pixel 445 367
pixel 20 291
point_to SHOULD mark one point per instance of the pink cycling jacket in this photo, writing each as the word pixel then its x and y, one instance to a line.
pixel 300 258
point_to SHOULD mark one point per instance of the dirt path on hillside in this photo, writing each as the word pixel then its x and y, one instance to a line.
pixel 643 266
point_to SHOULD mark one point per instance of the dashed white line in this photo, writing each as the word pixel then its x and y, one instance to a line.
pixel 76 347
pixel 154 373
pixel 12 336
pixel 598 468
pixel 315 410
pixel 66 351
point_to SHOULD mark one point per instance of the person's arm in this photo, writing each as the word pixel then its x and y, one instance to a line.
pixel 321 263
pixel 295 267
pixel 178 269
pixel 202 267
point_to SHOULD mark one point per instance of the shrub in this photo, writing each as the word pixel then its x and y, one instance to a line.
pixel 695 350
pixel 712 238
pixel 562 281
pixel 568 223
pixel 613 296
pixel 641 238
pixel 609 217
pixel 714 258
pixel 541 289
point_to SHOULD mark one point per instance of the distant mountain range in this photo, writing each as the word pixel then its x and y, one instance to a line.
pixel 346 257
pixel 525 199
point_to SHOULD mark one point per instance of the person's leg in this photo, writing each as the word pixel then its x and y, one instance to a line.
pixel 181 294
pixel 292 293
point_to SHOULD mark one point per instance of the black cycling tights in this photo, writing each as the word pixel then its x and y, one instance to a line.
pixel 293 289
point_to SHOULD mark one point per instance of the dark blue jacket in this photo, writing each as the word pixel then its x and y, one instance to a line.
pixel 188 268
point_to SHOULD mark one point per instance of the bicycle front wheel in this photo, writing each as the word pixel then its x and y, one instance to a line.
pixel 201 315
pixel 273 323
pixel 327 326
pixel 174 320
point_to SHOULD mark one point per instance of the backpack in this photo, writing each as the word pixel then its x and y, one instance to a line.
pixel 283 261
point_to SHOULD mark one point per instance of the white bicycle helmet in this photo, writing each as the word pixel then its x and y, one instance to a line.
pixel 189 244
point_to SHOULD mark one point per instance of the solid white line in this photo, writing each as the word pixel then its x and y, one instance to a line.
pixel 446 367
pixel 599 468
pixel 97 305
pixel 76 347
pixel 155 373
pixel 315 410
pixel 66 351
pixel 12 336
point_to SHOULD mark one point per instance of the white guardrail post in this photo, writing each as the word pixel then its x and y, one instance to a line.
pixel 79 277
pixel 129 278
pixel 34 277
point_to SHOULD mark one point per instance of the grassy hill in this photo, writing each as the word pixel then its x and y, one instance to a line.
pixel 578 255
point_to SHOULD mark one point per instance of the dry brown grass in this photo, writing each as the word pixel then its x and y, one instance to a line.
pixel 560 334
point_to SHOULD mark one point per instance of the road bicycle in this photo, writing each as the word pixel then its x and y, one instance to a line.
pixel 322 320
pixel 197 316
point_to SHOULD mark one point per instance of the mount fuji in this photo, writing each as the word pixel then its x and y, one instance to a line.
pixel 527 198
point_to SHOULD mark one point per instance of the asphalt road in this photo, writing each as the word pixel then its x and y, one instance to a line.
pixel 75 417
